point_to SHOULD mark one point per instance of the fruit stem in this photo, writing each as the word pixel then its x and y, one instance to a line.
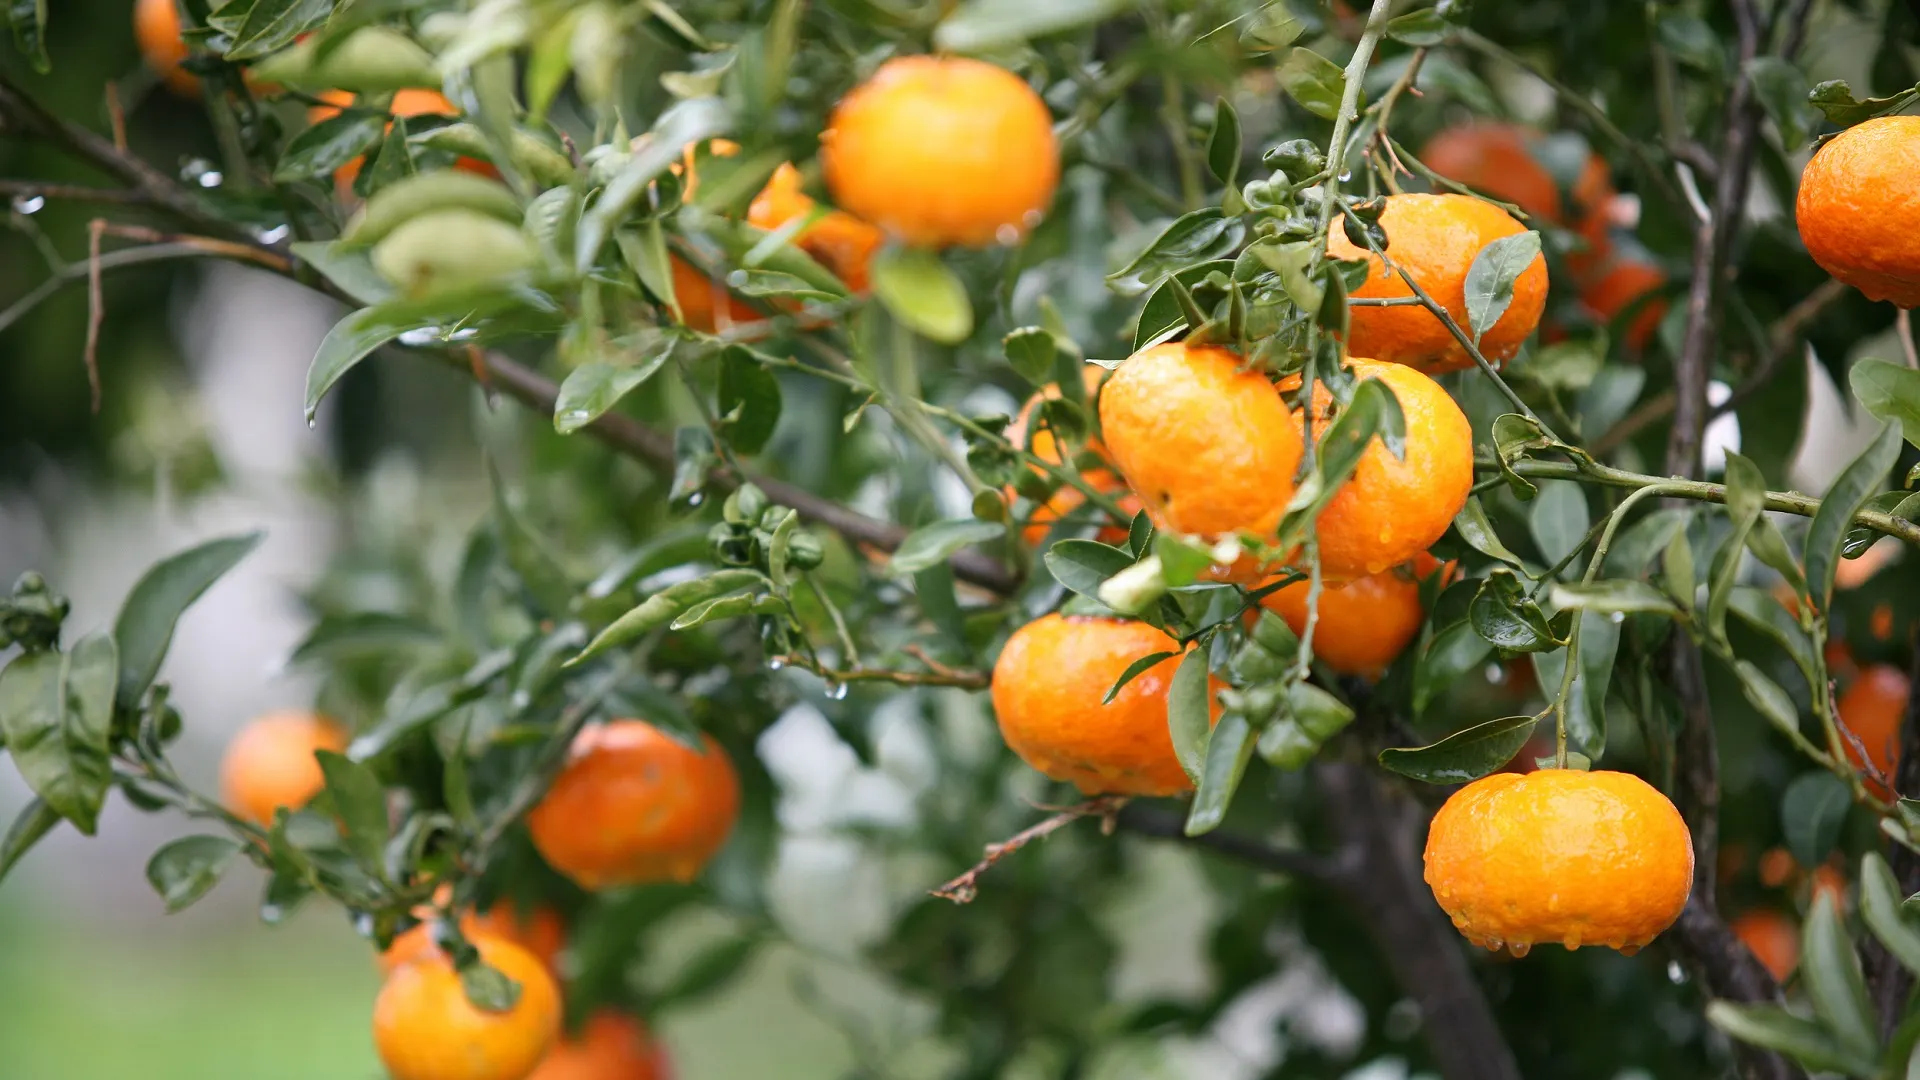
pixel 1903 326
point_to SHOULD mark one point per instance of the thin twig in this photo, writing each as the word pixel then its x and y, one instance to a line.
pixel 966 680
pixel 116 117
pixel 963 889
pixel 96 309
pixel 1903 328
pixel 33 189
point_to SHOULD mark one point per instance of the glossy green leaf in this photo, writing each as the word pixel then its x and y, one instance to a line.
pixel 184 870
pixel 36 820
pixel 1165 315
pixel 1135 670
pixel 1889 391
pixel 1489 287
pixel 682 125
pixel 715 610
pixel 921 291
pixel 319 151
pixel 664 606
pixel 542 577
pixel 272 25
pixel 1454 651
pixel 351 340
pixel 1189 711
pixel 1758 609
pixel 1464 755
pixel 1773 1028
pixel 1830 971
pixel 1477 530
pixel 1812 811
pixel 935 543
pixel 1858 482
pixel 1559 519
pixel 360 802
pixel 1031 349
pixel 1199 236
pixel 56 710
pixel 1084 565
pixel 1314 81
pixel 1767 698
pixel 1503 614
pixel 1229 749
pixel 1223 143
pixel 347 268
pixel 488 989
pixel 1311 718
pixel 595 387
pixel 1782 90
pixel 145 625
pixel 1612 595
pixel 1835 100
pixel 1423 28
pixel 1880 906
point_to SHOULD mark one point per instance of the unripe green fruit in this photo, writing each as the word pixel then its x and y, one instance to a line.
pixel 453 249
pixel 428 193
pixel 372 60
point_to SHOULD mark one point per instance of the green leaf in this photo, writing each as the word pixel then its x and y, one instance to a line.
pixel 144 628
pixel 1084 565
pixel 1598 640
pixel 29 19
pixel 749 400
pixel 1855 485
pixel 1773 1028
pixel 1612 595
pixel 183 871
pixel 322 149
pixel 347 268
pixel 1830 971
pixel 1746 500
pixel 1770 547
pixel 1423 29
pixel 1165 315
pixel 1311 718
pixel 56 710
pixel 1223 142
pixel 1559 519
pixel 1464 755
pixel 1135 670
pixel 540 573
pixel 707 973
pixel 682 125
pixel 1766 696
pixel 984 26
pixel 360 802
pixel 1691 41
pixel 1202 235
pixel 1474 527
pixel 1636 545
pixel 1676 569
pixel 1880 906
pixel 1503 614
pixel 1453 652
pixel 664 606
pixel 362 634
pixel 488 989
pixel 271 25
pixel 1489 288
pixel 1229 749
pixel 1812 811
pixel 1189 711
pixel 1889 391
pixel 351 340
pixel 36 820
pixel 1835 100
pixel 1782 91
pixel 935 543
pixel 1762 612
pixel 1314 81
pixel 919 290
pixel 1031 349
pixel 717 610
pixel 598 385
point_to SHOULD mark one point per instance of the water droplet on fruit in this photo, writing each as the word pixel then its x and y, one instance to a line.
pixel 1520 948
pixel 28 204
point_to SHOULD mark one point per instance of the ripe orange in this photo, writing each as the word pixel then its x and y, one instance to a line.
pixel 270 764
pixel 1045 445
pixel 836 240
pixel 1829 882
pixel 539 931
pixel 1582 858
pixel 943 150
pixel 705 306
pixel 1617 288
pixel 1500 160
pixel 156 26
pixel 1391 509
pixel 1857 211
pixel 634 805
pixel 1364 623
pixel 1777 867
pixel 609 1046
pixel 1047 687
pixel 1208 447
pixel 424 1028
pixel 1874 708
pixel 406 103
pixel 1434 239
pixel 1772 938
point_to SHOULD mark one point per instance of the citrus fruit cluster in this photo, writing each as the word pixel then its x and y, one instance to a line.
pixel 631 805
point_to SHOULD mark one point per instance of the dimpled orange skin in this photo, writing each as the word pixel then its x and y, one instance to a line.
pixel 1391 509
pixel 270 764
pixel 1047 687
pixel 1859 208
pixel 836 240
pixel 635 805
pixel 1365 623
pixel 1435 238
pixel 539 931
pixel 156 26
pixel 943 150
pixel 1045 445
pixel 1209 448
pixel 1873 708
pixel 1617 288
pixel 424 1028
pixel 609 1046
pixel 1581 858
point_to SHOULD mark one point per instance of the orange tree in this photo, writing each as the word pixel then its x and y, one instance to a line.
pixel 774 276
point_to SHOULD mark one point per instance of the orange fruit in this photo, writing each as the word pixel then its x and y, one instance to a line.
pixel 424 1028
pixel 1873 708
pixel 1500 160
pixel 609 1046
pixel 1047 687
pixel 406 103
pixel 705 306
pixel 1208 447
pixel 1857 211
pixel 1582 858
pixel 539 931
pixel 836 240
pixel 156 26
pixel 1777 867
pixel 1392 509
pixel 1827 881
pixel 1045 445
pixel 1364 623
pixel 1434 239
pixel 634 805
pixel 943 150
pixel 1618 288
pixel 270 764
pixel 1773 940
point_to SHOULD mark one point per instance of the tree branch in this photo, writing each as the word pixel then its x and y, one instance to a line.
pixel 1889 982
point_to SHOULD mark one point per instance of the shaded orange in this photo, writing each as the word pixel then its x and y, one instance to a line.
pixel 539 931
pixel 943 150
pixel 1364 623
pixel 1581 858
pixel 1873 708
pixel 1209 448
pixel 1858 212
pixel 1392 509
pixel 609 1046
pixel 1777 867
pixel 707 307
pixel 270 764
pixel 1047 689
pixel 836 240
pixel 156 27
pixel 635 805
pixel 424 1028
pixel 1434 239
pixel 1066 498
pixel 1617 288
pixel 1829 882
pixel 1773 940
pixel 406 103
